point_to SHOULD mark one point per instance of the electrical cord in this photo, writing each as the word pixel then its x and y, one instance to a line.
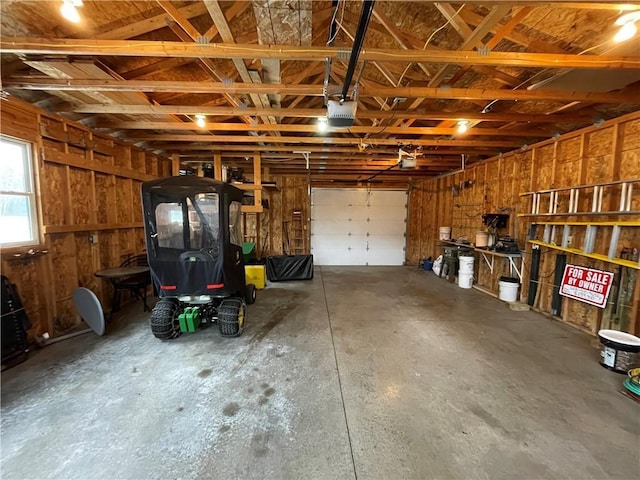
pixel 338 23
pixel 429 40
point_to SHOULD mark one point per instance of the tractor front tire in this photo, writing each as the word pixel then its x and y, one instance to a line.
pixel 250 294
pixel 164 320
pixel 232 314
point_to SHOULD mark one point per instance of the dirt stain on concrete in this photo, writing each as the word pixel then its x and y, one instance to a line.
pixel 231 409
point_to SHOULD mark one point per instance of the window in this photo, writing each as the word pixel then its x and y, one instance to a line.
pixel 169 224
pixel 235 219
pixel 17 194
pixel 201 219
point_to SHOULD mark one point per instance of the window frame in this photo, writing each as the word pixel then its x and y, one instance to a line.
pixel 29 162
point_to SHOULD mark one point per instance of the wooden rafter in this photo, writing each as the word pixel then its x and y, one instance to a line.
pixel 136 48
pixel 241 127
pixel 107 85
pixel 301 140
pixel 188 33
pixel 473 39
pixel 419 114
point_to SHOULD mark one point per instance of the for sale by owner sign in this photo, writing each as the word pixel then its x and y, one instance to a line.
pixel 586 284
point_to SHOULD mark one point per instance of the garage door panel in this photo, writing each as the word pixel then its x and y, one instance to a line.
pixel 388 198
pixel 396 227
pixel 338 198
pixel 385 241
pixel 387 212
pixel 323 227
pixel 356 227
pixel 327 212
pixel 385 257
pixel 339 256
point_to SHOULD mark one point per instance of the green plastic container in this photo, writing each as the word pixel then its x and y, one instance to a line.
pixel 189 320
pixel 248 251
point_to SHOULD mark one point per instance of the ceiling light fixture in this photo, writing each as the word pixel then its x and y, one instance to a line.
pixel 628 28
pixel 201 120
pixel 463 126
pixel 322 124
pixel 68 9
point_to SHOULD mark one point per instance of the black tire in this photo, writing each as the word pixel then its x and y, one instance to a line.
pixel 250 294
pixel 232 315
pixel 164 320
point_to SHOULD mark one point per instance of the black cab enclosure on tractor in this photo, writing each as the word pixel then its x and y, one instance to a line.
pixel 194 246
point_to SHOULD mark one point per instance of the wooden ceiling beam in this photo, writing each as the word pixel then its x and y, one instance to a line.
pixel 452 16
pixel 328 141
pixel 106 85
pixel 92 47
pixel 151 24
pixel 473 40
pixel 394 32
pixel 219 20
pixel 311 128
pixel 514 36
pixel 391 149
pixel 419 114
pixel 192 36
pixel 156 67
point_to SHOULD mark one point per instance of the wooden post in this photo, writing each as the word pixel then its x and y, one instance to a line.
pixel 217 166
pixel 175 165
pixel 257 180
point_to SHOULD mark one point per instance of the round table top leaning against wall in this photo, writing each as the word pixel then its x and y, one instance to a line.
pixel 117 272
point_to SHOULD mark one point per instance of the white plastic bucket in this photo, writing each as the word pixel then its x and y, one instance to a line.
pixel 445 233
pixel 465 265
pixel 508 290
pixel 482 239
pixel 465 280
pixel 620 351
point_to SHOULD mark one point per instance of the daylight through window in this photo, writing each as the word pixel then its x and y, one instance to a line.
pixel 17 196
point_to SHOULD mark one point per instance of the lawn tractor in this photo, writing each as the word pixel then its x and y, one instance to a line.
pixel 194 247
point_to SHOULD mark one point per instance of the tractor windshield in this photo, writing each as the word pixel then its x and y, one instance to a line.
pixel 189 224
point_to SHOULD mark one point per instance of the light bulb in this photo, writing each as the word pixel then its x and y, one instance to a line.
pixel 69 11
pixel 322 124
pixel 200 121
pixel 627 31
pixel 463 126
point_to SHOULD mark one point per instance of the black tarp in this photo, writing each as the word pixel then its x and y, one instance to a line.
pixel 290 267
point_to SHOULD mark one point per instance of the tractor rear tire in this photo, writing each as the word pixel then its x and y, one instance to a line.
pixel 232 314
pixel 164 320
pixel 250 294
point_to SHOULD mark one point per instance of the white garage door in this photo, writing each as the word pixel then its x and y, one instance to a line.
pixel 358 227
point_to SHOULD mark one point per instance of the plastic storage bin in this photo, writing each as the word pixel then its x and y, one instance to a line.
pixel 255 274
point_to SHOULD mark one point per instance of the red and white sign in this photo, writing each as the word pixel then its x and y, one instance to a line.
pixel 586 284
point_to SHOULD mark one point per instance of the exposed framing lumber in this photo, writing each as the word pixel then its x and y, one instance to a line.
pixel 241 127
pixel 418 114
pixel 136 48
pixel 151 24
pixel 300 140
pixel 71 85
pixel 219 20
pixel 316 149
pixel 473 39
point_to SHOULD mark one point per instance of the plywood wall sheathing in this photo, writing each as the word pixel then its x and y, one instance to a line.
pixel 89 185
pixel 596 154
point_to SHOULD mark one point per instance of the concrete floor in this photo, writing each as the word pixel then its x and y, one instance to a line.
pixel 369 373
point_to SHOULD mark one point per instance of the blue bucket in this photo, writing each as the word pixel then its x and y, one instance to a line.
pixel 427 265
